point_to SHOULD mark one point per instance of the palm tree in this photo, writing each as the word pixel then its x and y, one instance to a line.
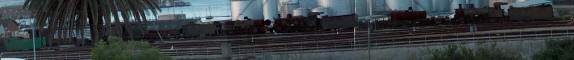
pixel 66 18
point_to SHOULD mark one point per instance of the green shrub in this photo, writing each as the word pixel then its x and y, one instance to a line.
pixel 557 50
pixel 456 52
pixel 116 49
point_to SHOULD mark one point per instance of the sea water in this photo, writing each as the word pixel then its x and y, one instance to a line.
pixel 220 9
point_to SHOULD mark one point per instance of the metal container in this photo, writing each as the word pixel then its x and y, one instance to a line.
pixel 399 4
pixel 270 10
pixel 199 30
pixel 241 9
pixel 321 10
pixel 337 7
pixel 531 13
pixel 19 44
pixel 407 15
pixel 442 5
pixel 287 7
pixel 480 3
pixel 302 12
pixel 362 7
pixel 338 22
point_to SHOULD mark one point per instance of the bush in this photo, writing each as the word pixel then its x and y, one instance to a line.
pixel 456 52
pixel 116 49
pixel 557 50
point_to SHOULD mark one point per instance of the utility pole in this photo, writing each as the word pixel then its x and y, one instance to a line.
pixel 34 39
pixel 370 26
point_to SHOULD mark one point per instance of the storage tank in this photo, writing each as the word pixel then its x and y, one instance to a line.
pixel 321 10
pixel 426 5
pixel 398 4
pixel 337 7
pixel 482 3
pixel 302 12
pixel 309 4
pixel 270 10
pixel 506 1
pixel 246 8
pixel 442 5
pixel 476 3
pixel 362 7
pixel 286 7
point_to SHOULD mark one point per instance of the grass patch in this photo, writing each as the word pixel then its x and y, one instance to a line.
pixel 116 49
pixel 557 50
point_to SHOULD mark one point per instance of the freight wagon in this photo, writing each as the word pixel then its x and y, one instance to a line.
pixel 313 23
pixel 541 12
pixel 244 27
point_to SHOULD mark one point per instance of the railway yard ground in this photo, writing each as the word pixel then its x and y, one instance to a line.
pixel 525 36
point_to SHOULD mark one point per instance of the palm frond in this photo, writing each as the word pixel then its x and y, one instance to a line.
pixel 94 14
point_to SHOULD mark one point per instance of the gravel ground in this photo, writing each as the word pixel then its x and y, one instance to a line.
pixel 527 47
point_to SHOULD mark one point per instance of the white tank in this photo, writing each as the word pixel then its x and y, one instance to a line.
pixel 476 3
pixel 320 10
pixel 398 4
pixel 521 1
pixel 426 5
pixel 303 12
pixel 481 3
pixel 380 5
pixel 246 8
pixel 507 1
pixel 287 6
pixel 455 3
pixel 337 7
pixel 361 7
pixel 442 5
pixel 270 10
pixel 309 4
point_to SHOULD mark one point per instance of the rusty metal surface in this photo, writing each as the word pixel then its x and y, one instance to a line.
pixel 531 13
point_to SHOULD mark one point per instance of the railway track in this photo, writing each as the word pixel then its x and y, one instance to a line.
pixel 247 45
